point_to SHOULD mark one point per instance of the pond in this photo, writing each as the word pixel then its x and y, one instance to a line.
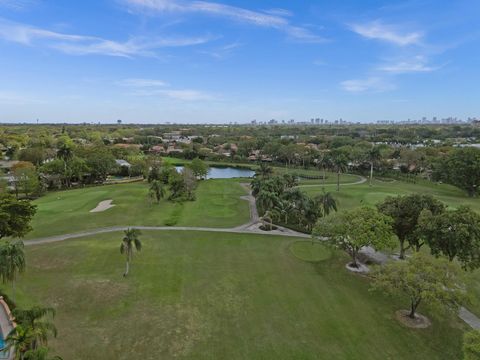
pixel 225 172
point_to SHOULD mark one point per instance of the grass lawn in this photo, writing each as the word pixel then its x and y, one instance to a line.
pixel 351 196
pixel 218 204
pixel 219 296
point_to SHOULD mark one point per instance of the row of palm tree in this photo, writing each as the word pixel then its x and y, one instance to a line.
pixel 338 162
pixel 279 199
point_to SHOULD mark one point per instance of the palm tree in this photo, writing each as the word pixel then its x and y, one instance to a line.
pixel 129 243
pixel 327 203
pixel 340 163
pixel 268 218
pixel 267 200
pixel 264 170
pixel 324 162
pixel 12 262
pixel 157 190
pixel 38 320
pixel 20 339
pixel 291 180
pixel 373 156
pixel 283 207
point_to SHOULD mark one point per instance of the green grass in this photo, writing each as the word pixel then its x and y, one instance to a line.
pixel 351 196
pixel 219 296
pixel 310 251
pixel 218 204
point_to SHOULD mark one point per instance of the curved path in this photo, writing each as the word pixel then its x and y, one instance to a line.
pixel 362 180
pixel 243 229
pixel 252 227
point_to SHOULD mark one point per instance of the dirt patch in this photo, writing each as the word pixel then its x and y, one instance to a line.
pixel 102 206
pixel 419 322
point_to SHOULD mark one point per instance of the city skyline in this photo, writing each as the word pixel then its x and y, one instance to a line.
pixel 149 61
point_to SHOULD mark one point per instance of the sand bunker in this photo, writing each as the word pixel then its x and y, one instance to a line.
pixel 103 205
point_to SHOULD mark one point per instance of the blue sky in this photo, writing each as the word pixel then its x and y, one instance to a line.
pixel 210 61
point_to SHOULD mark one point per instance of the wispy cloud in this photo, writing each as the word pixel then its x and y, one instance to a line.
pixel 377 30
pixel 159 88
pixel 417 64
pixel 85 45
pixel 17 4
pixel 141 83
pixel 276 18
pixel 370 84
pixel 222 52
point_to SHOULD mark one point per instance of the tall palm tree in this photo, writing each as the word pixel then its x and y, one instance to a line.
pixel 12 262
pixel 324 162
pixel 264 170
pixel 130 243
pixel 373 156
pixel 267 200
pixel 327 203
pixel 157 190
pixel 283 207
pixel 340 163
pixel 38 319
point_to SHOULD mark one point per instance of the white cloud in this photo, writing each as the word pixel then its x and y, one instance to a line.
pixel 17 4
pixel 153 87
pixel 370 84
pixel 222 52
pixel 417 64
pixel 141 83
pixel 85 45
pixel 275 19
pixel 187 95
pixel 378 31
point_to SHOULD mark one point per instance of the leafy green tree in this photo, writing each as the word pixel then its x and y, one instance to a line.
pixel 405 211
pixel 25 179
pixel 12 262
pixel 65 148
pixel 471 345
pixel 461 168
pixel 101 163
pixel 423 279
pixel 199 168
pixel 454 234
pixel 15 216
pixel 157 190
pixel 352 230
pixel 154 173
pixel 130 243
pixel 190 181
